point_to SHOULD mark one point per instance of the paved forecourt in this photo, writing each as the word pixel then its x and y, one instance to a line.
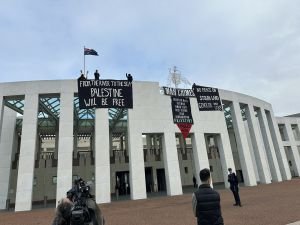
pixel 267 204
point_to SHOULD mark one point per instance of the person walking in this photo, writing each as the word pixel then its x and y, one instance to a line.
pixel 194 181
pixel 117 187
pixel 234 187
pixel 206 202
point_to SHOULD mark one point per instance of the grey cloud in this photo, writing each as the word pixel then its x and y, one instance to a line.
pixel 246 46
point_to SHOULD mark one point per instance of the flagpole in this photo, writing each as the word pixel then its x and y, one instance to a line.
pixel 83 61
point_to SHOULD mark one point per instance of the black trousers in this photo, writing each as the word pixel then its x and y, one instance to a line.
pixel 235 191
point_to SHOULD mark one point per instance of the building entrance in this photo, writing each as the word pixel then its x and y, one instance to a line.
pixel 213 154
pixel 161 179
pixel 149 179
pixel 123 177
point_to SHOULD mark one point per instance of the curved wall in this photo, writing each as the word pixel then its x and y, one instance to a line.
pixel 254 136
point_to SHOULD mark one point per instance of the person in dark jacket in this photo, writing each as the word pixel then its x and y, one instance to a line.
pixel 234 187
pixel 67 205
pixel 206 202
pixel 194 181
pixel 97 75
pixel 129 77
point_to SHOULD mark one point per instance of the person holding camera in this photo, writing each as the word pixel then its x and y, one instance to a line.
pixel 79 208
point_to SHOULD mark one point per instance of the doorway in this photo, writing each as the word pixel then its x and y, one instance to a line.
pixel 161 179
pixel 149 179
pixel 123 177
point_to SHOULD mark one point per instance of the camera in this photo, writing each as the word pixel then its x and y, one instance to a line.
pixel 79 194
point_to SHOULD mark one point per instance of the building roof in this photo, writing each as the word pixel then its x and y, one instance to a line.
pixel 294 115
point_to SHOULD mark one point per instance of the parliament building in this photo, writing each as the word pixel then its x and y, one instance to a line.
pixel 47 140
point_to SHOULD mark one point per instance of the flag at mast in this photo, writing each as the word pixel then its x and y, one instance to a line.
pixel 88 51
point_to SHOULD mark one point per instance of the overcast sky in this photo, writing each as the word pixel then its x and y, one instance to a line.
pixel 248 46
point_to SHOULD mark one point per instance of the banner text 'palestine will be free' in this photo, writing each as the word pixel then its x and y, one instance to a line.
pixel 105 94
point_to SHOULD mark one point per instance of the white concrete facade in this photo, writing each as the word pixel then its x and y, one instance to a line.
pixel 292 141
pixel 6 146
pixel 65 145
pixel 258 146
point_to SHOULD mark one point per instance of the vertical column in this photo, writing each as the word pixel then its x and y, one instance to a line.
pixel 27 154
pixel 92 142
pixel 1 112
pixel 242 145
pixel 56 144
pixel 271 155
pixel 226 156
pixel 171 163
pixel 182 146
pixel 75 143
pixel 6 149
pixel 179 153
pixel 278 146
pixel 38 147
pixel 102 156
pixel 148 144
pixel 65 145
pixel 295 152
pixel 258 146
pixel 121 143
pixel 199 154
pixel 110 140
pixel 298 142
pixel 136 160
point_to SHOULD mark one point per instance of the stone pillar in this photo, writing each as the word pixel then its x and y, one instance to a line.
pixel 278 146
pixel 271 155
pixel 199 154
pixel 93 144
pixel 258 146
pixel 242 145
pixel 65 145
pixel 121 143
pixel 6 149
pixel 38 147
pixel 226 156
pixel 182 144
pixel 136 160
pixel 27 153
pixel 102 156
pixel 295 152
pixel 1 112
pixel 148 147
pixel 56 144
pixel 171 164
pixel 75 143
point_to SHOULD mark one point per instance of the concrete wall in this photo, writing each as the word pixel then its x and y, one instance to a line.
pixel 257 148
